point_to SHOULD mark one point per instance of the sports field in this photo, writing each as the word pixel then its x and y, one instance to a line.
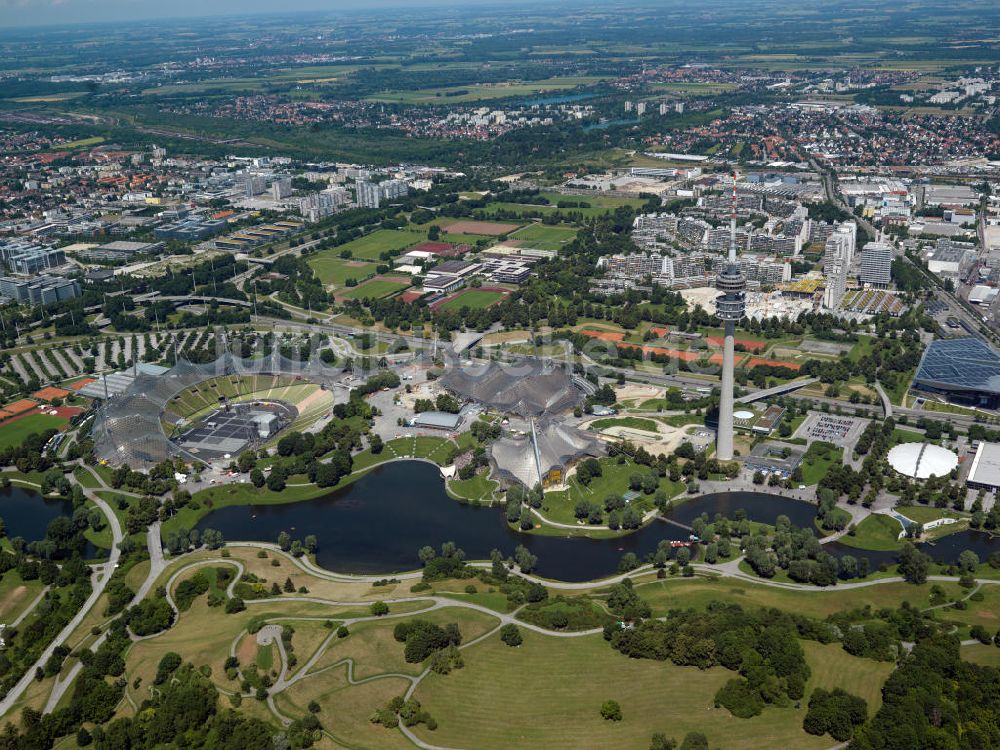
pixel 371 246
pixel 14 432
pixel 474 299
pixel 333 270
pixel 544 237
pixel 380 286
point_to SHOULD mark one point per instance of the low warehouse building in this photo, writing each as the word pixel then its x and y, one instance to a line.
pixel 985 470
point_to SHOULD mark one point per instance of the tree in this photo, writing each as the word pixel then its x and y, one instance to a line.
pixel 379 609
pixel 257 478
pixel 913 564
pixel 284 541
pixel 968 561
pixel 525 560
pixel 837 713
pixel 511 635
pixel 611 711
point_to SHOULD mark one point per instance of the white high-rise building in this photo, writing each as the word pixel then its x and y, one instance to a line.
pixel 876 265
pixel 628 106
pixel 640 108
pixel 368 194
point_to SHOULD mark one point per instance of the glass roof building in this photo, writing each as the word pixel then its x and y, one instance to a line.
pixel 964 369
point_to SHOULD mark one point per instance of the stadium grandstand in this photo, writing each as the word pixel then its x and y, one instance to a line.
pixel 132 427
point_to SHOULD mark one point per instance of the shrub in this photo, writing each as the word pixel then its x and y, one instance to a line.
pixel 511 635
pixel 611 711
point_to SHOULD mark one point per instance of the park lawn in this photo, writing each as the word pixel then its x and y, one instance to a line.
pixel 555 687
pixel 817 462
pixel 265 657
pixel 366 459
pixel 333 270
pixel 16 594
pixel 479 488
pixel 375 651
pixel 102 539
pixel 906 436
pixel 436 449
pixel 877 532
pixel 202 635
pixel 635 423
pixel 545 236
pixel 862 348
pixel 986 656
pixel 474 299
pixel 345 709
pixel 14 433
pixel 985 613
pixel 927 513
pixel 375 289
pixel 832 667
pixel 371 246
pixel 86 478
pixel 681 593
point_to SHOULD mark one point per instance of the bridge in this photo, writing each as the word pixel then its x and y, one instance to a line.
pixel 776 391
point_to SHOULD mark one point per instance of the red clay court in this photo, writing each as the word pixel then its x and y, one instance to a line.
pixel 18 407
pixel 50 393
pixel 411 296
pixel 754 361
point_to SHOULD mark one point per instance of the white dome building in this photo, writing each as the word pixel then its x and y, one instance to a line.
pixel 922 460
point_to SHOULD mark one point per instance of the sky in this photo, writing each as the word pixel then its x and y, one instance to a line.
pixel 68 12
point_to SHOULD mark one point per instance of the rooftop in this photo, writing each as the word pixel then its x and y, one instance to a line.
pixel 960 364
pixel 985 467
pixel 922 460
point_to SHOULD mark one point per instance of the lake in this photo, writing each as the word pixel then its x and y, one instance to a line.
pixel 377 524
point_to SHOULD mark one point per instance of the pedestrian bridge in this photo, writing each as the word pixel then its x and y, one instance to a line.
pixel 776 391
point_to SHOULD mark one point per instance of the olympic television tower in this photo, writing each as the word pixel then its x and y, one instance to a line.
pixel 730 306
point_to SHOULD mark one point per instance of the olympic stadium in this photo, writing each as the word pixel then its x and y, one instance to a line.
pixel 204 412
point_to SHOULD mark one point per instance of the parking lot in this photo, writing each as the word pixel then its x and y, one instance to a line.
pixel 831 428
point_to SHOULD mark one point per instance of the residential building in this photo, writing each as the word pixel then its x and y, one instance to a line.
pixel 281 188
pixel 368 194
